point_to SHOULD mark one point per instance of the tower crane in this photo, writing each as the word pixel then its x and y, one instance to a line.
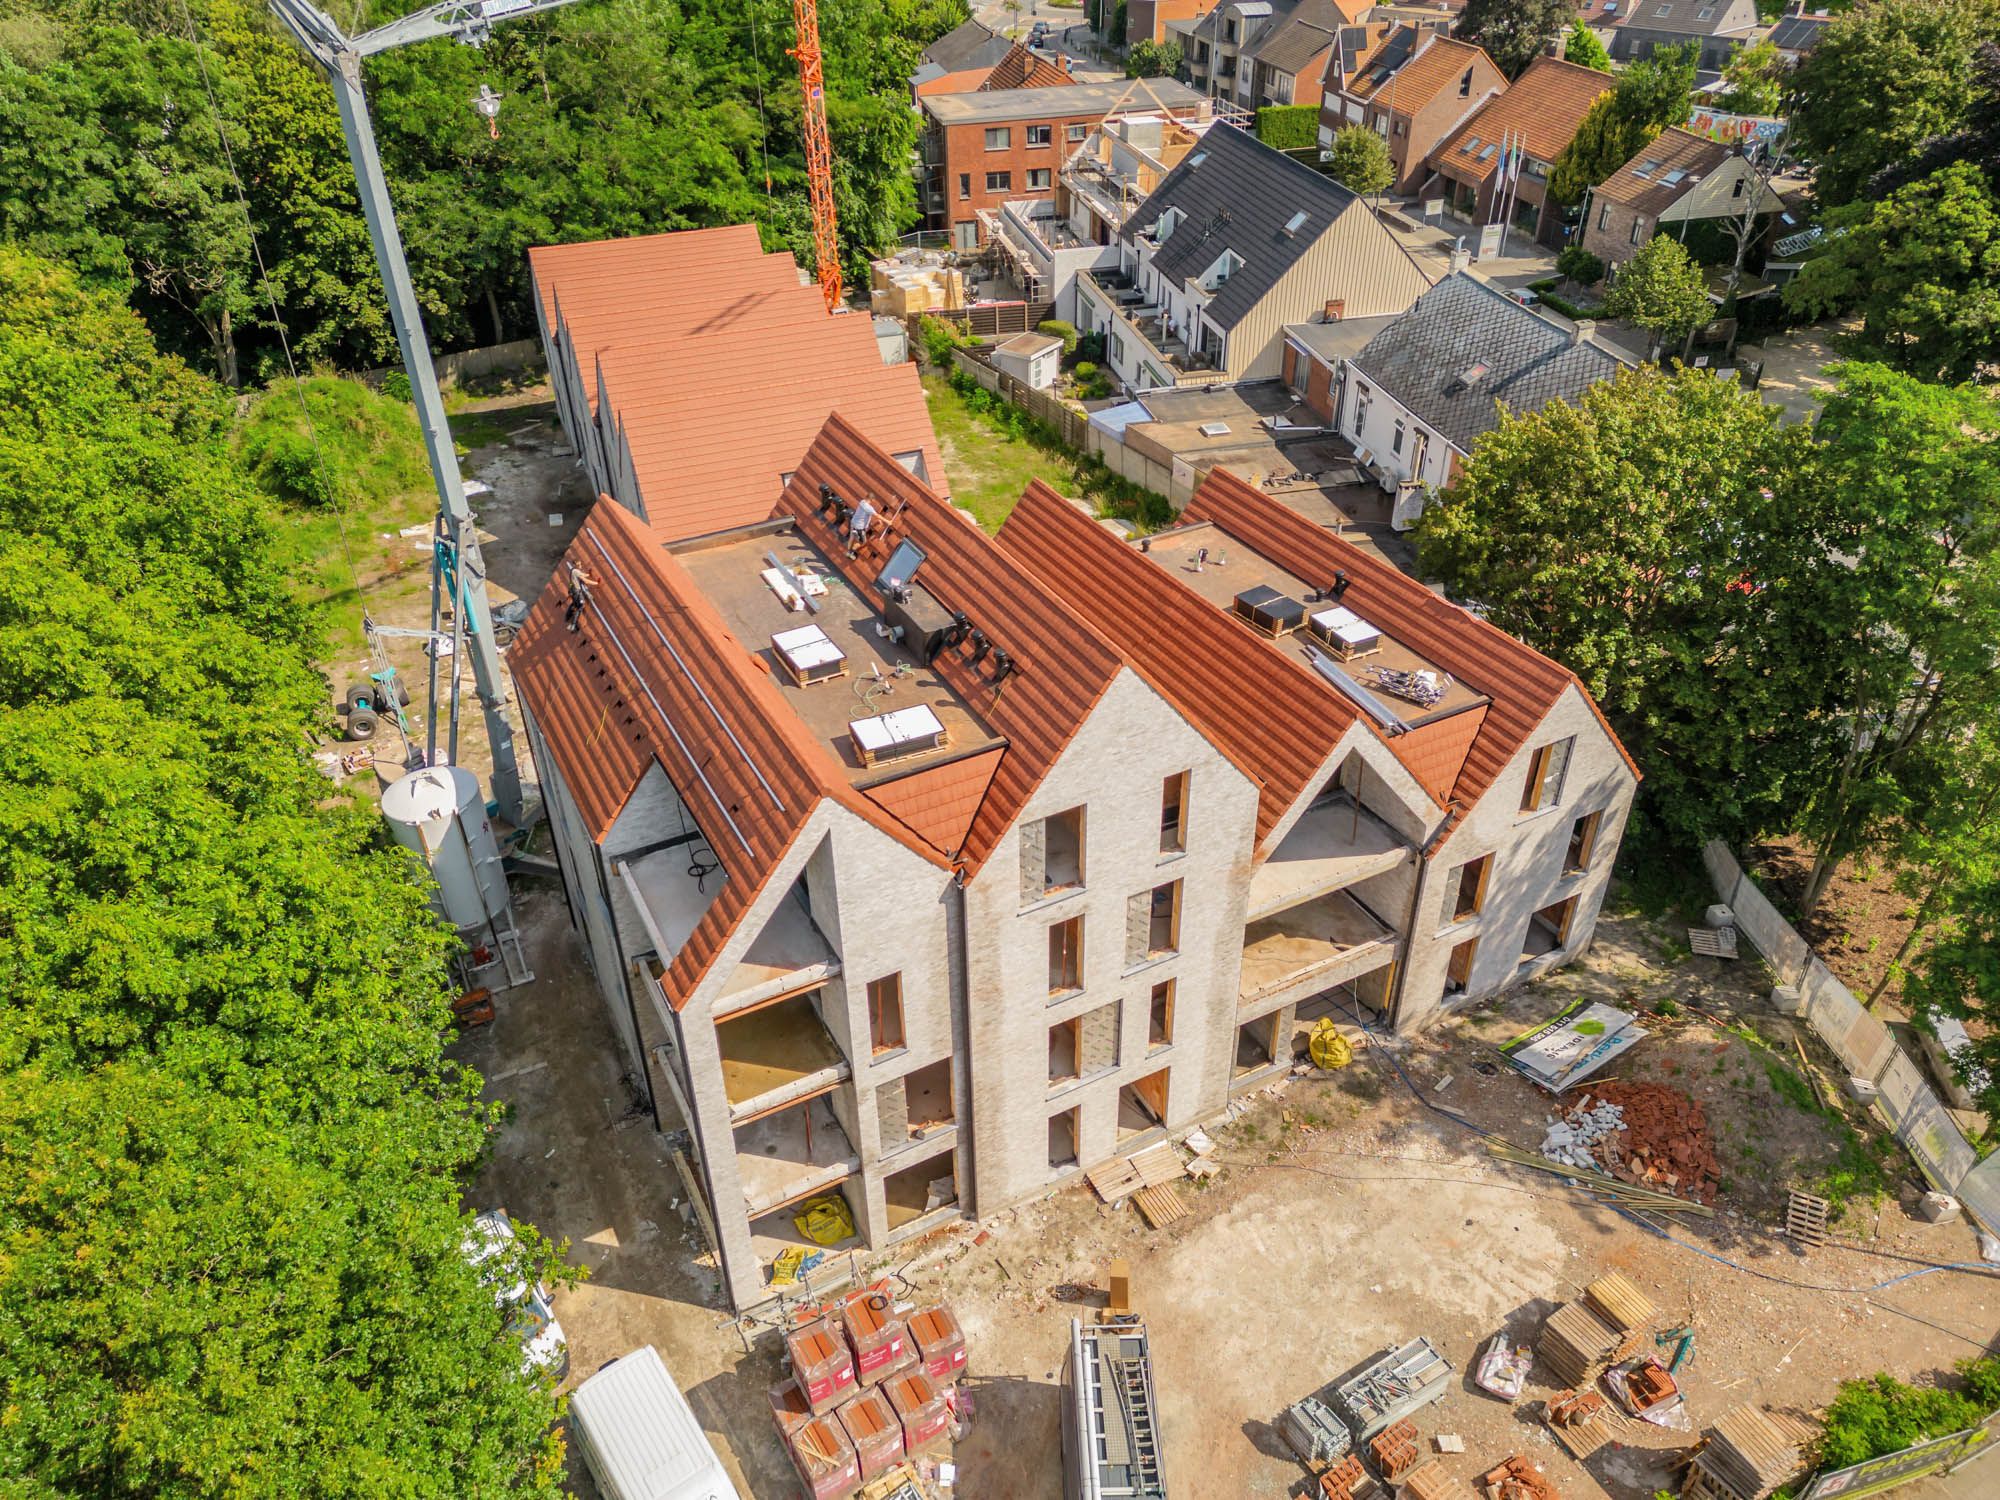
pixel 819 149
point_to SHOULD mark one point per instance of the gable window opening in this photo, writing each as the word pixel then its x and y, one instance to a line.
pixel 1582 843
pixel 1173 813
pixel 1547 768
pixel 1066 956
pixel 1467 892
pixel 885 1014
pixel 1160 1021
pixel 1153 924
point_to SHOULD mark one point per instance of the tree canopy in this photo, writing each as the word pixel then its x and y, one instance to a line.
pixel 230 1248
pixel 1151 59
pixel 654 115
pixel 1361 160
pixel 1661 290
pixel 1755 77
pixel 1581 46
pixel 1513 32
pixel 1648 97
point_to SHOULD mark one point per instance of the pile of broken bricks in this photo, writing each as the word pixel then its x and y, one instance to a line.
pixel 1643 1133
pixel 1517 1479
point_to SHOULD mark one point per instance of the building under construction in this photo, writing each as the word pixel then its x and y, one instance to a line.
pixel 922 870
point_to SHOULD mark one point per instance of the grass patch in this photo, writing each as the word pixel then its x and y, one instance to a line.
pixel 370 458
pixel 479 429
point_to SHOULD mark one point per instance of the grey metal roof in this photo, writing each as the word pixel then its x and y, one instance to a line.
pixel 1430 359
pixel 967 45
pixel 1235 193
pixel 998 105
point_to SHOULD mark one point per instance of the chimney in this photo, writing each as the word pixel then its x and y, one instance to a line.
pixel 1336 309
pixel 1585 332
pixel 1460 259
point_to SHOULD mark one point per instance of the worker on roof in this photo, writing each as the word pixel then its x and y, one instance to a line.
pixel 858 522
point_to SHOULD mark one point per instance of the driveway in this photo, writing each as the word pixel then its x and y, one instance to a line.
pixel 1795 367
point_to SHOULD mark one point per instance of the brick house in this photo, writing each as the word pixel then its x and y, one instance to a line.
pixel 1540 112
pixel 1681 184
pixel 1715 28
pixel 1413 87
pixel 1147 20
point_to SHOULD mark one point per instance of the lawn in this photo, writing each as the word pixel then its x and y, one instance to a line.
pixel 987 466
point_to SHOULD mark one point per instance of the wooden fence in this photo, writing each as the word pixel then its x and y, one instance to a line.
pixel 992 319
pixel 1069 424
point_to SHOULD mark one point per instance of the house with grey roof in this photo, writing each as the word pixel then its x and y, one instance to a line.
pixel 1798 30
pixel 1420 393
pixel 1237 241
pixel 1715 27
pixel 967 45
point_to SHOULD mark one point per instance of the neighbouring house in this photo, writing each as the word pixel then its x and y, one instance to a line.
pixel 1715 28
pixel 692 371
pixel 1602 17
pixel 1411 854
pixel 1152 20
pixel 1413 88
pixel 1015 855
pixel 1236 242
pixel 986 147
pixel 1316 355
pixel 969 46
pixel 1116 168
pixel 1018 69
pixel 1684 185
pixel 1798 31
pixel 1538 114
pixel 1420 393
pixel 1031 358
pixel 1257 53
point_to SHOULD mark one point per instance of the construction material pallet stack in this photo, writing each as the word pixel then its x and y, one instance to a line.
pixel 873 1385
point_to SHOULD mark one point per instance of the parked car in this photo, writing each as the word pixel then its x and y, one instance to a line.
pixel 543 1346
pixel 639 1436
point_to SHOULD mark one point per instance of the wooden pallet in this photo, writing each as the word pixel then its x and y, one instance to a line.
pixel 1805 1218
pixel 1122 1176
pixel 1428 1481
pixel 1713 942
pixel 1160 1204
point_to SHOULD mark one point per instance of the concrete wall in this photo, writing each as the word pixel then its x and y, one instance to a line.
pixel 1528 850
pixel 1114 769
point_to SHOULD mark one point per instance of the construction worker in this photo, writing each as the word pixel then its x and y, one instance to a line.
pixel 858 522
pixel 580 585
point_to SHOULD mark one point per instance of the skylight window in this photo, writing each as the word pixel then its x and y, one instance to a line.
pixel 1296 222
pixel 1471 145
pixel 1647 167
pixel 1673 178
pixel 1488 153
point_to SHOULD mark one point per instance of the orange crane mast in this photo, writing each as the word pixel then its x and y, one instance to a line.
pixel 819 149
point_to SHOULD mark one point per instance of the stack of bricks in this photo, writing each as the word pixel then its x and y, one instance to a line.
pixel 1346 1480
pixel 1665 1143
pixel 1517 1479
pixel 1395 1449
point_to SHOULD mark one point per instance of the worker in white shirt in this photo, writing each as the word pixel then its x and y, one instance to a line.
pixel 858 522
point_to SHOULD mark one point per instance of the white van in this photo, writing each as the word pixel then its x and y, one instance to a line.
pixel 639 1436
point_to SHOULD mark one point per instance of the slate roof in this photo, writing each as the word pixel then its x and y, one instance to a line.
pixel 1643 184
pixel 967 45
pixel 1685 18
pixel 1308 31
pixel 1236 193
pixel 1543 107
pixel 1425 357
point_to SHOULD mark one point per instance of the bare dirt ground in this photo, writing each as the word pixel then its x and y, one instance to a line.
pixel 1350 1214
pixel 1861 920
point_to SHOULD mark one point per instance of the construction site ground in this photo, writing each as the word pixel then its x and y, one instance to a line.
pixel 1349 1215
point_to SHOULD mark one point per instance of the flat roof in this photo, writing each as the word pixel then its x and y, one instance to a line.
pixel 729 569
pixel 1070 99
pixel 1233 567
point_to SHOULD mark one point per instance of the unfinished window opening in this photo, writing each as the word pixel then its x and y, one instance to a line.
pixel 1548 930
pixel 1458 971
pixel 1466 894
pixel 927 1098
pixel 773 1233
pixel 1052 855
pixel 1153 923
pixel 1065 1052
pixel 921 1188
pixel 885 1013
pixel 1066 956
pixel 775 1053
pixel 1547 768
pixel 1582 843
pixel 1142 1104
pixel 1256 1045
pixel 1160 1022
pixel 1173 813
pixel 1062 1140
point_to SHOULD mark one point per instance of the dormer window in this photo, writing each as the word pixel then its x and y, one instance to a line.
pixel 1226 265
pixel 1168 222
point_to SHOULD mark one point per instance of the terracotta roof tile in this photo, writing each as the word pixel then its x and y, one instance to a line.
pixel 1439 63
pixel 1022 69
pixel 652 674
pixel 720 368
pixel 1062 667
pixel 938 803
pixel 965 81
pixel 1673 150
pixel 1543 106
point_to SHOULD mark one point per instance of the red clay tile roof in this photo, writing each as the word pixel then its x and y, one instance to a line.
pixel 654 675
pixel 1522 683
pixel 965 81
pixel 1224 683
pixel 1542 108
pixel 1439 63
pixel 938 803
pixel 1673 150
pixel 719 368
pixel 1022 69
pixel 1062 666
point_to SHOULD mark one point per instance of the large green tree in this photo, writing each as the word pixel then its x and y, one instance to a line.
pixel 230 1236
pixel 1513 32
pixel 1581 46
pixel 1648 97
pixel 1922 267
pixel 1642 537
pixel 1661 290
pixel 1884 78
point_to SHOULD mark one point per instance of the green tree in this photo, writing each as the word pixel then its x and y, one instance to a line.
pixel 1513 32
pixel 1578 265
pixel 1628 535
pixel 1151 59
pixel 1581 46
pixel 1958 975
pixel 1922 267
pixel 1884 78
pixel 1661 290
pixel 1755 77
pixel 1647 97
pixel 230 1247
pixel 1361 160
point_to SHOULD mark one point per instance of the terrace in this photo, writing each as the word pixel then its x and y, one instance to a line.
pixel 1145 323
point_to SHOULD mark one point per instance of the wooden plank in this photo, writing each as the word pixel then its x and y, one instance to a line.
pixel 1618 1302
pixel 1115 1180
pixel 1158 1163
pixel 1161 1204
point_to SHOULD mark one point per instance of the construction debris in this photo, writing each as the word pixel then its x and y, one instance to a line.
pixel 1517 1479
pixel 1599 1182
pixel 1161 1205
pixel 1503 1369
pixel 1644 1133
pixel 1576 1419
pixel 1121 1177
pixel 1570 1046
pixel 1577 1139
pixel 1647 1391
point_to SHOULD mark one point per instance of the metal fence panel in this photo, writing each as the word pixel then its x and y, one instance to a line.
pixel 1979 1191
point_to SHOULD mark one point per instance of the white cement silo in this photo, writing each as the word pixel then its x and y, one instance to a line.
pixel 439 814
